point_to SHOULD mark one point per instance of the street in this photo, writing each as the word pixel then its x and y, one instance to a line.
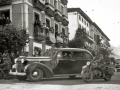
pixel 62 84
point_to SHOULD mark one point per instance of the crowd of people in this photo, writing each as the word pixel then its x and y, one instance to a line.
pixel 4 20
pixel 6 60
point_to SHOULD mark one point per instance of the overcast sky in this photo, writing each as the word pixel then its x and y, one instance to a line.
pixel 105 13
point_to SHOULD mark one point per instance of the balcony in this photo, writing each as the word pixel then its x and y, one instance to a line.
pixel 64 2
pixel 49 12
pixel 37 4
pixel 5 2
pixel 89 39
pixel 38 34
pixel 39 37
pixel 58 16
pixel 65 41
pixel 50 38
pixel 107 43
pixel 59 39
pixel 65 22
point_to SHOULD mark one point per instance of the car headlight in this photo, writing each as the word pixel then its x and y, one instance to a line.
pixel 22 60
pixel 14 66
pixel 15 60
pixel 88 63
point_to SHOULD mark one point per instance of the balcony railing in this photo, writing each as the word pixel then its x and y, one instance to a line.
pixel 5 2
pixel 58 16
pixel 38 34
pixel 65 22
pixel 50 38
pixel 59 39
pixel 39 5
pixel 49 12
pixel 64 2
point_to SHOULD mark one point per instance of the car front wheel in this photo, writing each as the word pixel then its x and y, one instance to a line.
pixel 35 74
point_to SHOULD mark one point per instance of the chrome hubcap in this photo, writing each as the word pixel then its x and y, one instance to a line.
pixel 35 73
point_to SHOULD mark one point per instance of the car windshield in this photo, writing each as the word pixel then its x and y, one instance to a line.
pixel 50 52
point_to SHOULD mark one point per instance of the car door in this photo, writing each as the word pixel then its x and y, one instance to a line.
pixel 65 63
pixel 80 59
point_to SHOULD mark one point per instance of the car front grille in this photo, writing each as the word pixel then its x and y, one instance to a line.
pixel 18 66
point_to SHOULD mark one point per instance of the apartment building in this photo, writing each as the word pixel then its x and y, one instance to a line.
pixel 99 35
pixel 79 20
pixel 46 21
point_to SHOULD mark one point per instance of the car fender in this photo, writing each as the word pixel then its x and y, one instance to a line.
pixel 48 72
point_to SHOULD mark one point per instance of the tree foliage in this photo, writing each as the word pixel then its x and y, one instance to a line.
pixel 11 38
pixel 76 43
pixel 79 39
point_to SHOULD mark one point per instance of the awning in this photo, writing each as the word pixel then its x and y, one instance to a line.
pixel 59 39
pixel 52 37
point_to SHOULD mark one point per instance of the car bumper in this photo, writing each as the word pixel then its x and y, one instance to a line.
pixel 118 69
pixel 17 73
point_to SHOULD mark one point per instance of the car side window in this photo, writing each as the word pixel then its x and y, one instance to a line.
pixel 79 55
pixel 87 55
pixel 67 54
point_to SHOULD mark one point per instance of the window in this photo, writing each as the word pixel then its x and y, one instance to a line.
pixel 47 22
pixel 36 16
pixel 56 29
pixel 82 19
pixel 84 22
pixel 66 54
pixel 79 17
pixel 63 31
pixel 6 13
pixel 78 55
pixel 87 24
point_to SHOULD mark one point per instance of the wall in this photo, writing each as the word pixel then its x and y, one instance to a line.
pixel 17 15
pixel 73 24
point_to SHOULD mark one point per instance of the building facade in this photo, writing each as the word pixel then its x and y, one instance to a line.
pixel 46 21
pixel 100 39
pixel 78 19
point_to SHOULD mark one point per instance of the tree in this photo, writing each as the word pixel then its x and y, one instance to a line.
pixel 76 43
pixel 11 38
pixel 79 39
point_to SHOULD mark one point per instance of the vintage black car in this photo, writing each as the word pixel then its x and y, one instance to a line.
pixel 54 62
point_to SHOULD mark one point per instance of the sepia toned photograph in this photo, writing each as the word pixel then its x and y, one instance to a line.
pixel 59 45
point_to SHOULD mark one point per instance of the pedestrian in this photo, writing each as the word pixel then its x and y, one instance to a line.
pixel 6 57
pixel 12 57
pixel 17 55
pixel 1 58
pixel 8 21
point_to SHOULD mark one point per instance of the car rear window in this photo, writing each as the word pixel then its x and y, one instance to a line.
pixel 78 55
pixel 82 55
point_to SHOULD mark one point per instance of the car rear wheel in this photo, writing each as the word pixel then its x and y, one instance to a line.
pixel 35 74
